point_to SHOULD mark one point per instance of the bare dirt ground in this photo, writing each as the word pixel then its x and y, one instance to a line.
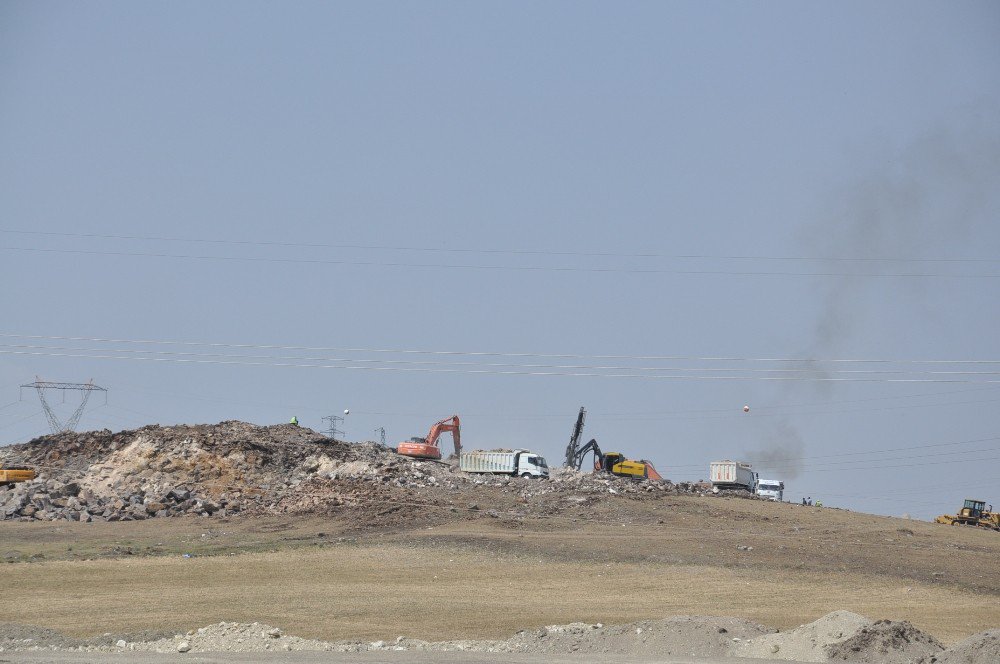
pixel 331 578
pixel 366 546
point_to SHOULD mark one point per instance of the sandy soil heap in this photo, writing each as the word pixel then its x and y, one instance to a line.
pixel 806 643
pixel 982 647
pixel 843 636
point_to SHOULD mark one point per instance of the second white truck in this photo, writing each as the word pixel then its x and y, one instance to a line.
pixel 771 489
pixel 518 463
pixel 732 475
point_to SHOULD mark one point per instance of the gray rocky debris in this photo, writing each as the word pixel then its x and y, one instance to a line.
pixel 232 467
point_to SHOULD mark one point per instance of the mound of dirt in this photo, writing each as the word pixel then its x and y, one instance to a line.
pixel 837 637
pixel 14 636
pixel 228 637
pixel 682 636
pixel 696 636
pixel 982 648
pixel 163 471
pixel 234 467
pixel 887 642
pixel 22 637
pixel 806 643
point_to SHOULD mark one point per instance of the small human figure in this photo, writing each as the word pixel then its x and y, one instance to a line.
pixel 294 421
pixel 803 500
pixel 810 501
pixel 819 503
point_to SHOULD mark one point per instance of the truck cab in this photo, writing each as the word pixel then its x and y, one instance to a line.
pixel 532 464
pixel 771 489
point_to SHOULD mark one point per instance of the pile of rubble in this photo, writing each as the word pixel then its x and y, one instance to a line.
pixel 234 467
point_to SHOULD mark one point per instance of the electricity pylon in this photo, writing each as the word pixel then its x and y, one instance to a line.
pixel 332 431
pixel 74 419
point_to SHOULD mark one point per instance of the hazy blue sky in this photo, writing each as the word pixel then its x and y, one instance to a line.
pixel 696 180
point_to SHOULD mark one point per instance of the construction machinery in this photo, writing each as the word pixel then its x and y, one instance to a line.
pixel 427 448
pixel 16 474
pixel 732 476
pixel 973 513
pixel 610 462
pixel 517 463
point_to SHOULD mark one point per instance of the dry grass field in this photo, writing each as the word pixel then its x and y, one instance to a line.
pixel 332 578
pixel 378 592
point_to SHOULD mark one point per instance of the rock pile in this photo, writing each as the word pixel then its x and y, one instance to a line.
pixel 162 471
pixel 234 467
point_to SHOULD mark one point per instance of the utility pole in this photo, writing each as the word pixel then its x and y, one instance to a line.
pixel 69 425
pixel 332 431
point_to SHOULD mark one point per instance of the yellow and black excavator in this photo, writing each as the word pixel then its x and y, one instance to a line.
pixel 609 462
pixel 973 513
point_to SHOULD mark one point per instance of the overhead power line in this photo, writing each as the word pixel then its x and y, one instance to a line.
pixel 514 252
pixel 867 463
pixel 690 370
pixel 407 351
pixel 977 460
pixel 513 268
pixel 771 410
pixel 499 372
pixel 866 452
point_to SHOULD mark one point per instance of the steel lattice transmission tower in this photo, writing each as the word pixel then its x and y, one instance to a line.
pixel 332 431
pixel 86 388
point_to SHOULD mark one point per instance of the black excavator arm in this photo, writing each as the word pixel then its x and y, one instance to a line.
pixel 576 454
pixel 599 459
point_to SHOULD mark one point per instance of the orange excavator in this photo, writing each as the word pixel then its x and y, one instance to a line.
pixel 427 448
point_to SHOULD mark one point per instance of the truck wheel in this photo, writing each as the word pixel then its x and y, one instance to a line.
pixel 525 475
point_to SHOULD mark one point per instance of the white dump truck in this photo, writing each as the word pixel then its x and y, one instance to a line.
pixel 732 475
pixel 771 489
pixel 517 463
